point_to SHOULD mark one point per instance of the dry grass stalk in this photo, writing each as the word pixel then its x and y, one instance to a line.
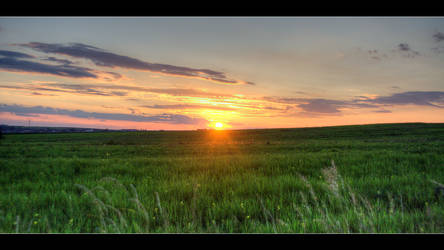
pixel 268 216
pixel 17 224
pixel 162 213
pixel 332 177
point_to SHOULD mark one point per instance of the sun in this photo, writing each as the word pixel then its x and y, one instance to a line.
pixel 218 125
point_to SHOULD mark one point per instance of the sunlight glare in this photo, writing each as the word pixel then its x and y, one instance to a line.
pixel 218 125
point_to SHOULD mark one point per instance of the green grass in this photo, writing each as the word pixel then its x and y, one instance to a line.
pixel 251 181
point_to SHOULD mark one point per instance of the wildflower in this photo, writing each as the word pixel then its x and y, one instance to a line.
pixel 71 221
pixel 36 222
pixel 248 217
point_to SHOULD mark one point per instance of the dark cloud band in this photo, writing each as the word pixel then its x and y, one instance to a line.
pixel 421 98
pixel 17 65
pixel 104 58
pixel 14 54
pixel 326 106
pixel 15 62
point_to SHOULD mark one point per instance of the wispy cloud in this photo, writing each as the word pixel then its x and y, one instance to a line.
pixel 376 54
pixel 104 58
pixel 438 37
pixel 97 89
pixel 188 106
pixel 407 50
pixel 421 98
pixel 402 49
pixel 15 65
pixel 57 60
pixel 328 106
pixel 320 105
pixel 47 88
pixel 382 111
pixel 161 118
pixel 14 62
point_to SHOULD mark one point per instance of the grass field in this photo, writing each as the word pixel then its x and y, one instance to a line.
pixel 372 178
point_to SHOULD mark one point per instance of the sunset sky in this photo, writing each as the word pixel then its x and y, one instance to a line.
pixel 185 73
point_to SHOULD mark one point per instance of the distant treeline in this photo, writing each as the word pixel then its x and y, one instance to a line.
pixel 6 129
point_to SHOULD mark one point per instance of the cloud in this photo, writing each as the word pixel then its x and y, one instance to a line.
pixel 438 37
pixel 327 106
pixel 319 105
pixel 114 75
pixel 61 61
pixel 83 91
pixel 167 91
pixel 374 54
pixel 104 58
pixel 403 47
pixel 161 118
pixel 382 111
pixel 406 50
pixel 188 106
pixel 420 98
pixel 183 92
pixel 322 106
pixel 13 61
pixel 13 54
pixel 288 100
pixel 15 65
pixel 96 89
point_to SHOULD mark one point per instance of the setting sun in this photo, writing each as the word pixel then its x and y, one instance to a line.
pixel 218 125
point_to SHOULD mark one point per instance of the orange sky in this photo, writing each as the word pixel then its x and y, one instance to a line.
pixel 190 73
